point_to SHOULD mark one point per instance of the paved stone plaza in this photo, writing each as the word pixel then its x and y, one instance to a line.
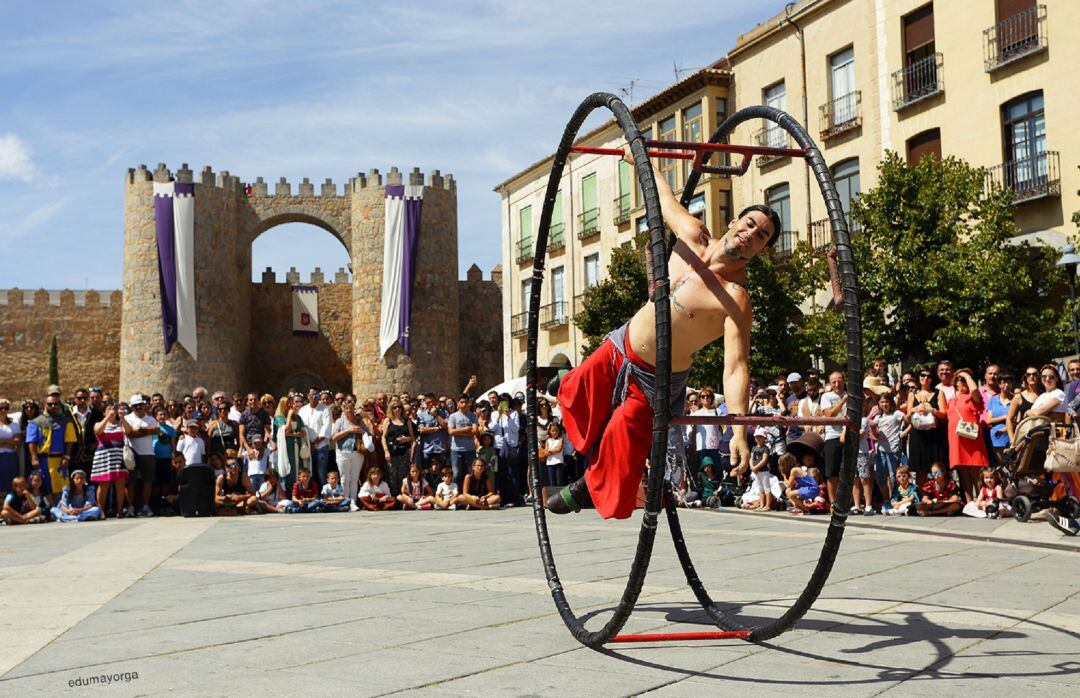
pixel 455 603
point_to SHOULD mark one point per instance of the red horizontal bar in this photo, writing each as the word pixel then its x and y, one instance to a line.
pixel 665 637
pixel 669 149
pixel 762 420
pixel 727 148
pixel 668 154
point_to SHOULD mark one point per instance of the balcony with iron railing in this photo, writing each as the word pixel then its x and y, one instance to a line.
pixel 588 223
pixel 841 114
pixel 556 239
pixel 771 137
pixel 921 80
pixel 525 250
pixel 1029 178
pixel 621 212
pixel 519 324
pixel 554 315
pixel 785 243
pixel 1015 37
pixel 821 231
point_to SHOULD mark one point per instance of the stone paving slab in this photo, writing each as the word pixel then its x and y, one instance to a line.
pixel 456 604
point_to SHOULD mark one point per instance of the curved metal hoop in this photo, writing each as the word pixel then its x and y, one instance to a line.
pixel 657 253
pixel 853 333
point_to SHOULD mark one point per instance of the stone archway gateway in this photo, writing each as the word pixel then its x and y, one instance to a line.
pixel 228 216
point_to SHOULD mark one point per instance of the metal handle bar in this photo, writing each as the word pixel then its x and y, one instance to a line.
pixel 671 150
pixel 764 420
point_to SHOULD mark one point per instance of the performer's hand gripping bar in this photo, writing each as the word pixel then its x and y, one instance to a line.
pixel 685 150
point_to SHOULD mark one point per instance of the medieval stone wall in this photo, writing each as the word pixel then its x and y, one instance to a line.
pixel 245 330
pixel 278 358
pixel 87 329
pixel 434 329
pixel 480 319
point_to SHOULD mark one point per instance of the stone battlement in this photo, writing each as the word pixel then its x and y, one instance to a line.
pixel 283 188
pixel 434 179
pixel 64 298
pixel 292 277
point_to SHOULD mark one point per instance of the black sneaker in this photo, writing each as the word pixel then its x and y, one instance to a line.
pixel 569 499
pixel 1069 527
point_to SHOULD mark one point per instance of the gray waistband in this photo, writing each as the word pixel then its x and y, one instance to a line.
pixel 645 378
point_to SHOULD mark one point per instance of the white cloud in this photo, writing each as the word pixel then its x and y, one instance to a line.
pixel 15 162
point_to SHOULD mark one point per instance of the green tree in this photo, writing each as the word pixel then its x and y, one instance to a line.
pixel 940 276
pixel 54 367
pixel 776 290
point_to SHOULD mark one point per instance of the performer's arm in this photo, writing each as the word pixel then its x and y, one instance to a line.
pixel 686 228
pixel 737 371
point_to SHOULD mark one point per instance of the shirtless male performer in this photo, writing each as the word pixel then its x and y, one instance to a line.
pixel 607 400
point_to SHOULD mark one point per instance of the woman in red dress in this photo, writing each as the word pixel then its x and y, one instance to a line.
pixel 967 449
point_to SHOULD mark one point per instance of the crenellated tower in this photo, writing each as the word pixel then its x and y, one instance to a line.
pixel 229 216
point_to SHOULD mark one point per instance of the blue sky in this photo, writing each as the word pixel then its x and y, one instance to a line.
pixel 299 89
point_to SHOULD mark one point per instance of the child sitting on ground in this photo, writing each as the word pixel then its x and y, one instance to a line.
pixel 19 507
pixel 78 501
pixel 990 503
pixel 36 489
pixel 940 496
pixel 709 484
pixel 802 488
pixel 479 488
pixel 904 495
pixel 332 495
pixel 270 499
pixel 374 493
pixel 415 493
pixel 434 474
pixel 305 494
pixel 447 491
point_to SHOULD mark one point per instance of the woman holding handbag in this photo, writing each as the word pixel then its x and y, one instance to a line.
pixel 967 448
pixel 926 408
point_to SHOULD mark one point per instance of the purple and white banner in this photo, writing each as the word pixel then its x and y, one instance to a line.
pixel 305 310
pixel 404 205
pixel 174 221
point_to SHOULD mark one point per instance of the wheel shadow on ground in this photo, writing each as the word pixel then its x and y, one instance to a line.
pixel 873 636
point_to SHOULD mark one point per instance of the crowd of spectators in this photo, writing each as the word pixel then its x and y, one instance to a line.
pixel 932 441
pixel 929 444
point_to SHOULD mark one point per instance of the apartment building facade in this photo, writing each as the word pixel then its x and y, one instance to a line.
pixel 598 208
pixel 988 81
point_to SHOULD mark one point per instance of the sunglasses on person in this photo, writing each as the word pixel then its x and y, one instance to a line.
pixel 52 404
pixel 1032 374
pixel 1049 376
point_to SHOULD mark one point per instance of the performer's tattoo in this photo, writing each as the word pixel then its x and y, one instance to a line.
pixel 675 297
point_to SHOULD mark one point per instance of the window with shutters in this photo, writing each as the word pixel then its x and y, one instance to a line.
pixel 525 234
pixel 1020 31
pixel 621 209
pixel 589 218
pixel 556 237
pixel 921 75
pixel 922 144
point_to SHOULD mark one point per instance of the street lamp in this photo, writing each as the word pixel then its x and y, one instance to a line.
pixel 1069 260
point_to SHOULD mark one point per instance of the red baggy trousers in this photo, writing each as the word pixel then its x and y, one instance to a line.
pixel 624 430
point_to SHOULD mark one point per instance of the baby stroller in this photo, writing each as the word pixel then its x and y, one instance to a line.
pixel 1030 488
